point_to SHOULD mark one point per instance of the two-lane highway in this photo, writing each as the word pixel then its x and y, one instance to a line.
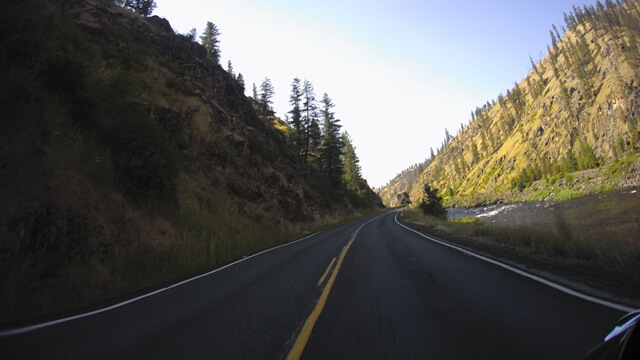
pixel 368 289
pixel 402 296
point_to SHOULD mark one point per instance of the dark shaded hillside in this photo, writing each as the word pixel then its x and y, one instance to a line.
pixel 569 128
pixel 128 158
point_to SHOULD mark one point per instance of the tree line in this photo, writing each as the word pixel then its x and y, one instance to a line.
pixel 142 7
pixel 316 136
pixel 315 133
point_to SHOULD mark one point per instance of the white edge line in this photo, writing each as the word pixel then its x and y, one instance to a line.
pixel 556 286
pixel 21 330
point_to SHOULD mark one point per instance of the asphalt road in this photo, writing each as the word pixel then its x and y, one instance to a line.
pixel 390 294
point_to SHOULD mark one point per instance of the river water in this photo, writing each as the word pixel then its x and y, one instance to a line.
pixel 619 210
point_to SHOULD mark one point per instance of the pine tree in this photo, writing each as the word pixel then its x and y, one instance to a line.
pixel 447 137
pixel 142 7
pixel 331 147
pixel 191 35
pixel 255 92
pixel 309 116
pixel 554 40
pixel 266 94
pixel 230 69
pixel 555 30
pixel 475 157
pixel 456 167
pixel 570 161
pixel 538 86
pixel 352 173
pixel 315 139
pixel 296 115
pixel 463 165
pixel 587 158
pixel 240 80
pixel 483 142
pixel 431 202
pixel 210 41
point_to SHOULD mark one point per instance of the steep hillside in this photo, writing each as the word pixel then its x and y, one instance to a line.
pixel 569 128
pixel 403 182
pixel 128 158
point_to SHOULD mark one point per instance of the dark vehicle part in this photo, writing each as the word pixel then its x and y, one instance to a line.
pixel 622 343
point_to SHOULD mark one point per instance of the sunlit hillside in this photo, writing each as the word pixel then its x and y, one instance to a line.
pixel 569 128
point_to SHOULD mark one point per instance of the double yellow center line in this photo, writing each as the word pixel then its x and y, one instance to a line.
pixel 307 328
pixel 326 272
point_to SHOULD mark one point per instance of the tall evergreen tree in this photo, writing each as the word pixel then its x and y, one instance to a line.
pixel 266 94
pixel 331 147
pixel 230 69
pixel 296 114
pixel 315 139
pixel 240 80
pixel 555 30
pixel 474 153
pixel 570 161
pixel 352 173
pixel 447 137
pixel 483 142
pixel 431 202
pixel 191 35
pixel 554 40
pixel 210 41
pixel 309 115
pixel 255 92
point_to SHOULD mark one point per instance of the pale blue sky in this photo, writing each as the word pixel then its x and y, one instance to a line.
pixel 398 71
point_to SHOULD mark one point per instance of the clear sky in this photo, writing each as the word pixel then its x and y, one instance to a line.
pixel 399 71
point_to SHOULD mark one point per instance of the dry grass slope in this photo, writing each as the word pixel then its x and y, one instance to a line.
pixel 561 132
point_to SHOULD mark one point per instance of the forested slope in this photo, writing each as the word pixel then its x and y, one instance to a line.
pixel 129 157
pixel 569 128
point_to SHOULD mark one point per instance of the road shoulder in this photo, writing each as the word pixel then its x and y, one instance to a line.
pixel 585 278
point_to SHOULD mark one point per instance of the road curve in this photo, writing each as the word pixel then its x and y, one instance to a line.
pixel 388 293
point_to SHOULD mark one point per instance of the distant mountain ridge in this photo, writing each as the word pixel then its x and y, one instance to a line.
pixel 569 128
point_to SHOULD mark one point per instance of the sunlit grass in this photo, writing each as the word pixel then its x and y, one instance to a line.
pixel 568 194
pixel 615 245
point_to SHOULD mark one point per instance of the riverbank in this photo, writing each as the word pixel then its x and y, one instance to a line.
pixel 592 241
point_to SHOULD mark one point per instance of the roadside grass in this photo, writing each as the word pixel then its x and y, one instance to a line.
pixel 206 231
pixel 571 237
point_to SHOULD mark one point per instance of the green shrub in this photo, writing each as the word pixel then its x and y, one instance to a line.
pixel 568 178
pixel 431 202
pixel 567 194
